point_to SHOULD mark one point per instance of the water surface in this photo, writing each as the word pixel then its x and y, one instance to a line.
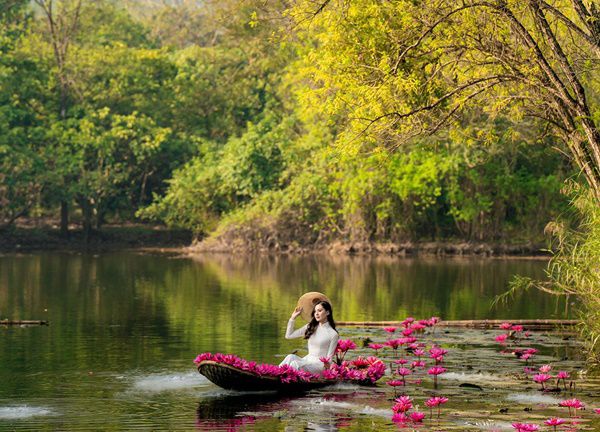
pixel 126 326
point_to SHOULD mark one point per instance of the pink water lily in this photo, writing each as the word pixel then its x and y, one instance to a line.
pixel 394 384
pixel 501 338
pixel 562 375
pixel 343 346
pixel 435 401
pixel 403 371
pixel 597 410
pixel 417 364
pixel 545 369
pixel 436 370
pixel 408 321
pixel 390 329
pixel 417 416
pixel 437 354
pixel 403 404
pixel 554 422
pixel 376 346
pixel 407 331
pixel 573 405
pixel 541 379
pixel 418 326
pixel 399 417
pixel 417 352
pixel 505 325
pixel 525 427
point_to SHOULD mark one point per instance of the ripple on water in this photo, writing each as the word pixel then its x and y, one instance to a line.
pixel 169 382
pixel 527 398
pixel 319 404
pixel 23 412
pixel 473 377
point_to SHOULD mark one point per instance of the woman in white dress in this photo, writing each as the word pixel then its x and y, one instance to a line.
pixel 321 334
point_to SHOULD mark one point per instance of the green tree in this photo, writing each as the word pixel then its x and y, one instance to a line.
pixel 403 68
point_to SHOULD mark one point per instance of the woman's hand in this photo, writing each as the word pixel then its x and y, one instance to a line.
pixel 296 312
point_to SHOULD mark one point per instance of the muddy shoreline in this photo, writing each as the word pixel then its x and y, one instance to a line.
pixel 450 248
pixel 181 241
pixel 108 239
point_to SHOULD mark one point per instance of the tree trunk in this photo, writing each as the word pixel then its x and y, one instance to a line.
pixel 64 219
pixel 86 210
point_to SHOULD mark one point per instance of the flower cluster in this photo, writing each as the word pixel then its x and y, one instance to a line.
pixel 343 346
pixel 401 415
pixel 285 373
pixel 543 376
pixel 364 370
pixel 525 427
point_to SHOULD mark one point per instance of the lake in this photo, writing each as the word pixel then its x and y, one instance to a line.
pixel 126 326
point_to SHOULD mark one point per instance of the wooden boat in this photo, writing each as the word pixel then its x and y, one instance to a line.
pixel 232 378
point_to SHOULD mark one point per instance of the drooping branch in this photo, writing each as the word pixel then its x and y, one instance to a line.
pixel 589 18
pixel 430 30
pixel 590 38
pixel 398 115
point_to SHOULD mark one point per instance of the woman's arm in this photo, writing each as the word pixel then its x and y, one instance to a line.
pixel 290 333
pixel 332 345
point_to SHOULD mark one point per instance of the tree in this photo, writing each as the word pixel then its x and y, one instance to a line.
pixel 62 19
pixel 20 79
pixel 401 68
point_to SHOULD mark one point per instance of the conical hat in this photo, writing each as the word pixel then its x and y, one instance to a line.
pixel 308 301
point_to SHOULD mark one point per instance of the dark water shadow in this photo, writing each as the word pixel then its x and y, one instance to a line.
pixel 237 411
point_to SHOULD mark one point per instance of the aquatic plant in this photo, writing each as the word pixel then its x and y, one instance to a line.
pixel 394 344
pixel 562 375
pixel 435 371
pixel 394 384
pixel 542 379
pixel 501 338
pixel 417 352
pixel 417 364
pixel 554 422
pixel 343 346
pixel 376 347
pixel 407 322
pixel 403 404
pixel 545 368
pixel 525 427
pixel 573 405
pixel 390 330
pixel 437 354
pixel 417 416
pixel 436 401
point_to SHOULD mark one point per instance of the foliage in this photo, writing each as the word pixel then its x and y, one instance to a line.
pixel 229 127
pixel 400 68
pixel 221 180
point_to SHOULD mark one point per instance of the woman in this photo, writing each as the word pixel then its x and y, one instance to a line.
pixel 321 334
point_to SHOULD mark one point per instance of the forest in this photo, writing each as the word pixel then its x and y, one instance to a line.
pixel 310 122
pixel 252 119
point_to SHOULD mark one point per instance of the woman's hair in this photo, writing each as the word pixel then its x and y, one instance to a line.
pixel 312 325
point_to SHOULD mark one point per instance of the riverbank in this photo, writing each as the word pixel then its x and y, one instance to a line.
pixel 113 237
pixel 404 249
pixel 20 239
